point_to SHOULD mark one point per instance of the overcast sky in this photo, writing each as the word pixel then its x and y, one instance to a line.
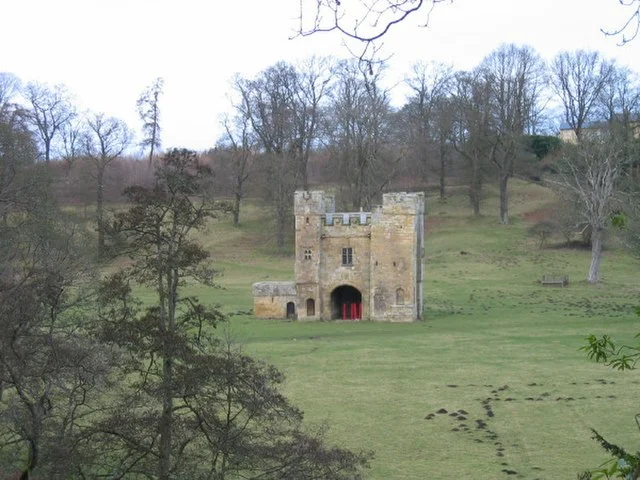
pixel 106 52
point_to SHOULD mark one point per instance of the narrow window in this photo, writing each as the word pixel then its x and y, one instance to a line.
pixel 307 254
pixel 311 307
pixel 399 296
pixel 347 256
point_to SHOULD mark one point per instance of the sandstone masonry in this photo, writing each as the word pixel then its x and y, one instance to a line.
pixel 352 265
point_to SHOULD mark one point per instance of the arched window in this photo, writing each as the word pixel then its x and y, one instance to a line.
pixel 399 296
pixel 291 310
pixel 311 307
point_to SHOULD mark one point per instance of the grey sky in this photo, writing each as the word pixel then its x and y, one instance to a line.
pixel 106 52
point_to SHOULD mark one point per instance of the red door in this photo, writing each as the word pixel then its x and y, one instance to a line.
pixel 351 311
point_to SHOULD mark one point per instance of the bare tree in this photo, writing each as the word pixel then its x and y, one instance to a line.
pixel 590 172
pixel 238 149
pixel 269 103
pixel 430 85
pixel 51 110
pixel 9 89
pixel 444 119
pixel 149 113
pixel 578 79
pixel 619 101
pixel 472 130
pixel 105 140
pixel 17 149
pixel 310 89
pixel 514 77
pixel 72 133
pixel 358 134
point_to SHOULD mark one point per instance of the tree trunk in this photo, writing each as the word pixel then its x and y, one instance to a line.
pixel 504 198
pixel 47 150
pixel 100 209
pixel 236 210
pixel 475 189
pixel 164 326
pixel 596 254
pixel 443 165
pixel 32 461
pixel 280 233
pixel 281 221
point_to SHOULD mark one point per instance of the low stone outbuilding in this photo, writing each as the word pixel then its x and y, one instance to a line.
pixel 274 299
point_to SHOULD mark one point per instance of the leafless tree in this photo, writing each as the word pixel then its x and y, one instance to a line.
pixel 514 77
pixel 149 113
pixel 358 134
pixel 51 109
pixel 589 172
pixel 72 133
pixel 9 89
pixel 268 103
pixel 237 148
pixel 473 130
pixel 282 106
pixel 444 120
pixel 17 149
pixel 309 93
pixel 578 79
pixel 619 102
pixel 105 139
pixel 430 86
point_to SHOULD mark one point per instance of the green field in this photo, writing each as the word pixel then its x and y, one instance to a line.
pixel 494 344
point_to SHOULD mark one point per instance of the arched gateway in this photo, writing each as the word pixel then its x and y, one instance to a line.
pixel 346 303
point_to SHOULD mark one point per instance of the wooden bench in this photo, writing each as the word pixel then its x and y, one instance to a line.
pixel 555 280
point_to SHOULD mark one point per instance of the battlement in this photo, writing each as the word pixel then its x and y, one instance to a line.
pixel 346 218
pixel 403 203
pixel 313 202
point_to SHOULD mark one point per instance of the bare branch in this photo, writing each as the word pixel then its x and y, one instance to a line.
pixel 631 25
pixel 365 22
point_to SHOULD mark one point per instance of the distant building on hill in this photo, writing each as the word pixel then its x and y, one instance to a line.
pixel 351 265
pixel 597 128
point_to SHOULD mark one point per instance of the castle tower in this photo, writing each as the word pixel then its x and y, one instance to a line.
pixel 309 209
pixel 351 265
pixel 397 245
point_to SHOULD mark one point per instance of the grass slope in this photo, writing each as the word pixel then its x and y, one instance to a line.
pixel 497 351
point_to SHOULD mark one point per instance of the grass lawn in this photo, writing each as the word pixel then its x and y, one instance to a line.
pixel 497 351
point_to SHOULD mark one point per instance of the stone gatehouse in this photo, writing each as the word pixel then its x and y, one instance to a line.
pixel 351 265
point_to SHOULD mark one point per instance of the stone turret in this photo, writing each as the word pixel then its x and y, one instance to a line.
pixel 397 245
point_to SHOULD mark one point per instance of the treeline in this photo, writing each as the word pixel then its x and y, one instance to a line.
pixel 486 124
pixel 324 121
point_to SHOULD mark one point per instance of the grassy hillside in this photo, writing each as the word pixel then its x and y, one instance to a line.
pixel 497 351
